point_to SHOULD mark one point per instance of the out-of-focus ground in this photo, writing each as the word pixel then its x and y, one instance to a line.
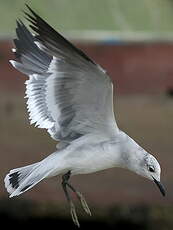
pixel 142 75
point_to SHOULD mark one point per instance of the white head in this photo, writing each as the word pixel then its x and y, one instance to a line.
pixel 139 161
pixel 154 172
pixel 147 166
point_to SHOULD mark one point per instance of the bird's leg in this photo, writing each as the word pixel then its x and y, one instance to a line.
pixel 65 179
pixel 81 198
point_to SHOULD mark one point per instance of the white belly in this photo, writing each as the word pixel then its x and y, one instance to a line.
pixel 83 159
pixel 92 159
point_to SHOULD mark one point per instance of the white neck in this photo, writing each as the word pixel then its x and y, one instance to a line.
pixel 128 153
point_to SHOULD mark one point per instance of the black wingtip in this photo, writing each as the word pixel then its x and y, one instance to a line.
pixel 29 8
pixel 48 35
pixel 19 23
pixel 31 16
pixel 28 16
pixel 31 11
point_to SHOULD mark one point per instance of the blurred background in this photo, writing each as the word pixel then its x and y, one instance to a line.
pixel 133 41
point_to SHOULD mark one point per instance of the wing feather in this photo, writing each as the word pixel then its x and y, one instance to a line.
pixel 68 94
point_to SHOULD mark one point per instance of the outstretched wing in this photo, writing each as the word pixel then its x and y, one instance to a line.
pixel 68 94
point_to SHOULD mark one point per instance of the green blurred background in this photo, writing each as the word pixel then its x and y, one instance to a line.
pixel 121 15
pixel 132 40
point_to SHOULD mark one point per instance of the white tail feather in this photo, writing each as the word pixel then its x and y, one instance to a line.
pixel 22 179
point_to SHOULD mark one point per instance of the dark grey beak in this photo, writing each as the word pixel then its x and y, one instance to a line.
pixel 160 186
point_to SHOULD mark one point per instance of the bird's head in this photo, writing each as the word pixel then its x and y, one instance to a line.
pixel 138 160
pixel 149 167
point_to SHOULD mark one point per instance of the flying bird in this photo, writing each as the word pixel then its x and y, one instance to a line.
pixel 71 96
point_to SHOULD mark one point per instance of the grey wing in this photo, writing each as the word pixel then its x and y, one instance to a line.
pixel 68 94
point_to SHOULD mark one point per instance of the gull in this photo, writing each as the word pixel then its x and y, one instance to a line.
pixel 71 96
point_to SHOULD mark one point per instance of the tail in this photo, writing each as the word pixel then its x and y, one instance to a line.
pixel 20 180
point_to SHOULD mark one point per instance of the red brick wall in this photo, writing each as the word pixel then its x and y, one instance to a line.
pixel 134 68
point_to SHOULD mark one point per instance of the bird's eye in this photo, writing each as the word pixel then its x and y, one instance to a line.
pixel 151 168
